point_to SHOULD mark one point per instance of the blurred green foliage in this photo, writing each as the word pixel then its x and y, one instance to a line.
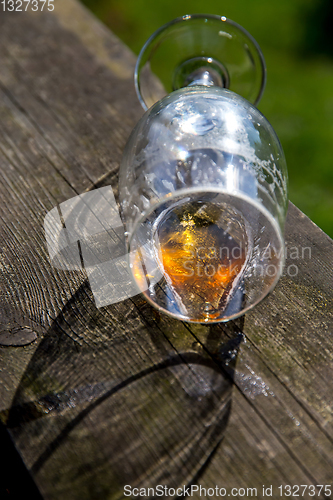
pixel 296 38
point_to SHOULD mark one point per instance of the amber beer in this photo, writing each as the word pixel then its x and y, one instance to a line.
pixel 202 252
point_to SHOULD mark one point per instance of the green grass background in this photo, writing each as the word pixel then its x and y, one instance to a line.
pixel 296 37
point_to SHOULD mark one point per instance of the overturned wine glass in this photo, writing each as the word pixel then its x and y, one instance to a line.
pixel 203 180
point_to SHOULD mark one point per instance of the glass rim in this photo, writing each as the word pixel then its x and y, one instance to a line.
pixel 189 17
pixel 275 224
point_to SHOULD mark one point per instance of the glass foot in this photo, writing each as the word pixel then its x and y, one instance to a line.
pixel 200 50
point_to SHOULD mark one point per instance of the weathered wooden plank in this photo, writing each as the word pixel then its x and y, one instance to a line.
pixel 122 395
pixel 48 139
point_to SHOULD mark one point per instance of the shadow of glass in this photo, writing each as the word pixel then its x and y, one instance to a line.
pixel 108 400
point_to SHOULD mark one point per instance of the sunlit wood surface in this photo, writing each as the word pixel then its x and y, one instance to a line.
pixel 95 399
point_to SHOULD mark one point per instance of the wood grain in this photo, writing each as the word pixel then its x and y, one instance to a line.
pixel 100 398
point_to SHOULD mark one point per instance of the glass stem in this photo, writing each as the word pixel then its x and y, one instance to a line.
pixel 205 76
